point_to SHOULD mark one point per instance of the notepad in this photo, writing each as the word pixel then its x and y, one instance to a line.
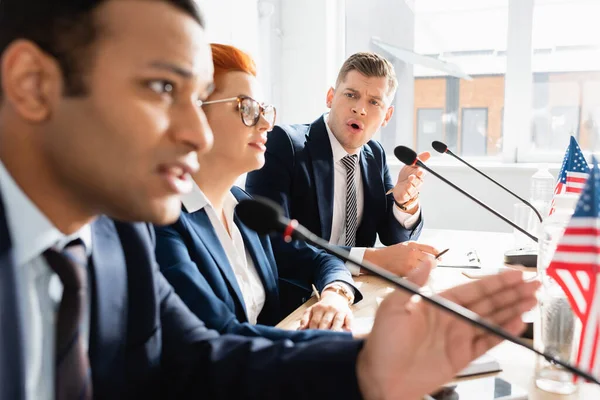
pixel 482 365
pixel 362 325
pixel 460 259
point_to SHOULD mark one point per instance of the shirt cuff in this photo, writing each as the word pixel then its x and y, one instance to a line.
pixel 405 219
pixel 342 283
pixel 357 253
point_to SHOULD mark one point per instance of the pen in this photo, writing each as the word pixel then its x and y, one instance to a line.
pixel 316 293
pixel 441 253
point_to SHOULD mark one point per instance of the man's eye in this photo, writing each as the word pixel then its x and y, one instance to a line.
pixel 161 86
pixel 349 95
pixel 375 102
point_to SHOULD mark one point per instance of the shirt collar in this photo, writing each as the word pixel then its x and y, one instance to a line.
pixel 31 232
pixel 196 200
pixel 338 151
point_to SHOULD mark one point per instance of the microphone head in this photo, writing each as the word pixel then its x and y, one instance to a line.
pixel 439 146
pixel 406 155
pixel 260 214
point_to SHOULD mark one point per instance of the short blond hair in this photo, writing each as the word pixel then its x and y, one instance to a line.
pixel 370 65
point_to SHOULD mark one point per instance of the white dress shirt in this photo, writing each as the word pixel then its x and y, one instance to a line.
pixel 338 223
pixel 240 260
pixel 39 287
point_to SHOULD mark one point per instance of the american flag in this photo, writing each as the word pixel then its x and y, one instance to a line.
pixel 573 172
pixel 576 268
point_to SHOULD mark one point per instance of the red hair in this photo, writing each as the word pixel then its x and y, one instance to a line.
pixel 228 59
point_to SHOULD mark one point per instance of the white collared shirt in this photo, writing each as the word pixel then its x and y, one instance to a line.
pixel 338 223
pixel 39 287
pixel 240 260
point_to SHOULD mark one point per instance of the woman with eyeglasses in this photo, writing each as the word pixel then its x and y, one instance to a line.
pixel 235 280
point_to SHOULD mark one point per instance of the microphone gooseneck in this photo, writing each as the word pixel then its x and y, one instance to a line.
pixel 443 148
pixel 409 157
pixel 265 216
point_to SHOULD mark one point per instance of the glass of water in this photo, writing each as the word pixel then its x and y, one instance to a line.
pixel 557 336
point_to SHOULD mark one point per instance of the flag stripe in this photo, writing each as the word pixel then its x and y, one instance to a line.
pixel 570 248
pixel 595 370
pixel 579 258
pixel 584 279
pixel 583 222
pixel 580 240
pixel 572 267
pixel 578 175
pixel 588 345
pixel 570 287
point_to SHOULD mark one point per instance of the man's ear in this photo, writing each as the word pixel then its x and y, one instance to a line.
pixel 31 80
pixel 330 94
pixel 388 116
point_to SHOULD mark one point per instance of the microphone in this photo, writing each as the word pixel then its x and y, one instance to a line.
pixel 409 157
pixel 526 257
pixel 443 148
pixel 265 216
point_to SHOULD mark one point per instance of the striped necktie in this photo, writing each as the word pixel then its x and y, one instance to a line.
pixel 350 162
pixel 72 368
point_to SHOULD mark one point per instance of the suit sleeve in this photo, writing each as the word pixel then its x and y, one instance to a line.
pixel 198 363
pixel 195 291
pixel 390 231
pixel 299 261
pixel 274 179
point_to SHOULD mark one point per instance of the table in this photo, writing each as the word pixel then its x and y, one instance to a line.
pixel 518 364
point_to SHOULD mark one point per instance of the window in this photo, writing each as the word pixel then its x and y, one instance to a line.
pixel 429 127
pixel 474 131
pixel 473 97
pixel 533 65
pixel 565 78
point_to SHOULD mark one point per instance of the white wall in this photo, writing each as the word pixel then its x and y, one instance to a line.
pixel 309 54
pixel 233 22
pixel 445 208
pixel 363 22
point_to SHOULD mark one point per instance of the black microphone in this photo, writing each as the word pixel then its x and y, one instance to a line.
pixel 265 216
pixel 409 157
pixel 443 148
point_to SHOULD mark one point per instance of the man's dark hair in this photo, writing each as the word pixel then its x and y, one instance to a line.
pixel 64 29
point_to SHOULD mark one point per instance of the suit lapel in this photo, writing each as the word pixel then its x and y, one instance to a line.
pixel 108 319
pixel 319 147
pixel 205 234
pixel 373 187
pixel 12 321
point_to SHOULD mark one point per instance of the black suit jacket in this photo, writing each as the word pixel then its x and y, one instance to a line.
pixel 144 342
pixel 298 174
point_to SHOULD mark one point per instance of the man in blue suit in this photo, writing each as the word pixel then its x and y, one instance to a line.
pixel 333 178
pixel 99 115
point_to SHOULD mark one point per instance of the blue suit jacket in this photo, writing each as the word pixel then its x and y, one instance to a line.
pixel 146 344
pixel 194 262
pixel 298 174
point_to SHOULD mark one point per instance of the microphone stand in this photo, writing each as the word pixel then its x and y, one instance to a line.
pixel 497 214
pixel 537 213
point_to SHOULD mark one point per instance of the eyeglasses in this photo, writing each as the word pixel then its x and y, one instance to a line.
pixel 250 110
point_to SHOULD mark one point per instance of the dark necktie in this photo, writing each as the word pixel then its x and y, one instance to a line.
pixel 349 162
pixel 72 368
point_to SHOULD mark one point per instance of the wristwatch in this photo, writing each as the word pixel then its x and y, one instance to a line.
pixel 408 204
pixel 342 290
